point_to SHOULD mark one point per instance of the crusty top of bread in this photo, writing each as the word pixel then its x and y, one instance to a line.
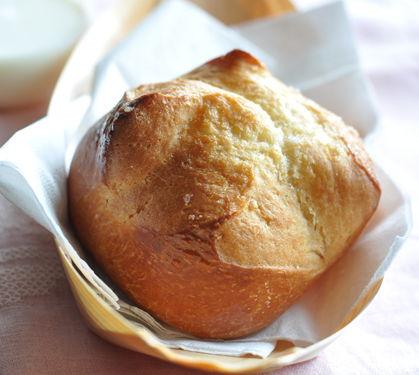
pixel 253 148
pixel 261 177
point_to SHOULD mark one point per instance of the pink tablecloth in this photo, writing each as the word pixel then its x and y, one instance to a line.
pixel 41 331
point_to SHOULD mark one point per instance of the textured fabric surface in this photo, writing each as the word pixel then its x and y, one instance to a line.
pixel 41 331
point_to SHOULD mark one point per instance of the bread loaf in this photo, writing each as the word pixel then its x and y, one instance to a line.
pixel 215 200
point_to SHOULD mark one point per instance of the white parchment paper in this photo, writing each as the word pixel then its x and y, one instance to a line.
pixel 313 51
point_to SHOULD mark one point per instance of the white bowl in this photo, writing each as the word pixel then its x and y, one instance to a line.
pixel 36 40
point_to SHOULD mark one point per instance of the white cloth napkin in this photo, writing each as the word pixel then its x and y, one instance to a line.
pixel 313 51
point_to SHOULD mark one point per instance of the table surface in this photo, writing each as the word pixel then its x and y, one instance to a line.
pixel 41 330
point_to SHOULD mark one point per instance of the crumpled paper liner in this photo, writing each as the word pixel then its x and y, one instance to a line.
pixel 313 51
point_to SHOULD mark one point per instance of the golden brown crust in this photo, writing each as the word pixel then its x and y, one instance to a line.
pixel 215 200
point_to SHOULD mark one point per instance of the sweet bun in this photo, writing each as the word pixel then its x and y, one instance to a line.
pixel 215 200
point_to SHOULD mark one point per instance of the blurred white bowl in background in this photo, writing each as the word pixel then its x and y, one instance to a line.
pixel 36 37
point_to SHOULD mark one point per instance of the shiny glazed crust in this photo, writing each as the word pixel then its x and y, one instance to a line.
pixel 215 200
